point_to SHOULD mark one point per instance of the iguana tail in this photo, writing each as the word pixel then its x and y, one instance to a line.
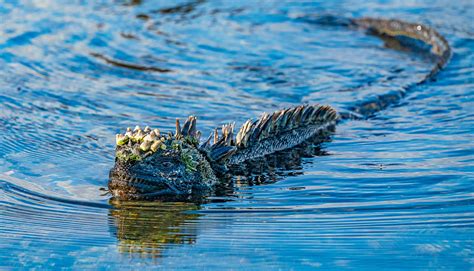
pixel 395 29
pixel 440 49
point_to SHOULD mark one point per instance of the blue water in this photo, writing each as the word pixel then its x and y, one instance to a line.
pixel 393 192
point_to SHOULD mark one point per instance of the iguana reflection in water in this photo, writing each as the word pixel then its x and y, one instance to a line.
pixel 146 228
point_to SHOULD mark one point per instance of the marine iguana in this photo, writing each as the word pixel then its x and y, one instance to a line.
pixel 177 167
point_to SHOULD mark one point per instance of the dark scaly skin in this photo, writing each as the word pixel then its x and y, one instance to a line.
pixel 175 167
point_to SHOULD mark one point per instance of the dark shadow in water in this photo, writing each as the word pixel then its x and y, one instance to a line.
pixel 133 3
pixel 181 9
pixel 130 65
pixel 147 228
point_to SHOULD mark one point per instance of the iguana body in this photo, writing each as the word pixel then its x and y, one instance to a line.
pixel 175 166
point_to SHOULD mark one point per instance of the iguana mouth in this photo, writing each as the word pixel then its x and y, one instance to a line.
pixel 123 186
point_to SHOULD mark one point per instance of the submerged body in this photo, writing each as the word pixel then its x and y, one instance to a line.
pixel 175 166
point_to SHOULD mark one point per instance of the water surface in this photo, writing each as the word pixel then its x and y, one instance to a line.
pixel 394 191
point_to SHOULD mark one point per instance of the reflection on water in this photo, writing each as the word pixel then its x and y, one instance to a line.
pixel 145 228
pixel 394 191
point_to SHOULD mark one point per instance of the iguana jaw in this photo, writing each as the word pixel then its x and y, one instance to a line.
pixel 130 188
pixel 126 182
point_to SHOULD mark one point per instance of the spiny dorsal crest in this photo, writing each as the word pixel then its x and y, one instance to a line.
pixel 272 125
pixel 189 128
pixel 224 145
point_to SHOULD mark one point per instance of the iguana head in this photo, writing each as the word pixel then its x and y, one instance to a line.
pixel 150 165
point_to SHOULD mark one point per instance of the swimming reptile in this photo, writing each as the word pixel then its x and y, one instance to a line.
pixel 151 165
